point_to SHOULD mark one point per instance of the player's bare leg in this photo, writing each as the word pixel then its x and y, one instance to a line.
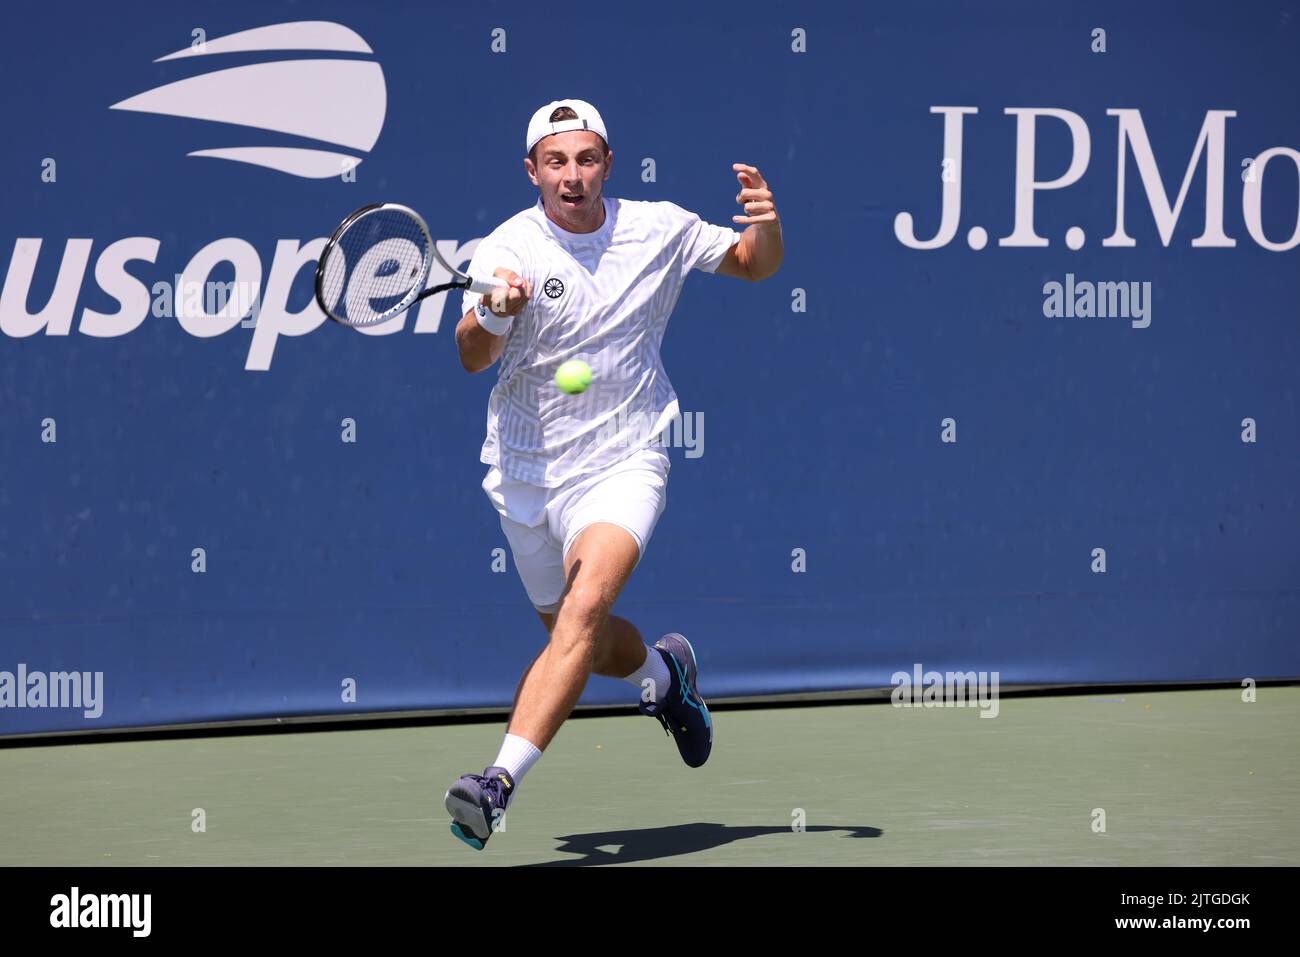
pixel 598 565
pixel 585 637
pixel 619 652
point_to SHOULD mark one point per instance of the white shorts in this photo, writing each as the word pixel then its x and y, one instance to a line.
pixel 541 523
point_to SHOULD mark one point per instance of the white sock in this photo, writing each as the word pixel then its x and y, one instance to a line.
pixel 517 756
pixel 656 669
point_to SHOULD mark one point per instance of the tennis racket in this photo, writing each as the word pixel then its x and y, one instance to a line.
pixel 377 263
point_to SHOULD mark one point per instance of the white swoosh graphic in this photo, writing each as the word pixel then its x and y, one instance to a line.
pixel 302 35
pixel 312 164
pixel 336 101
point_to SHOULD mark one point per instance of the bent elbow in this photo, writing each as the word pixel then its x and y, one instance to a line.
pixel 467 360
pixel 471 366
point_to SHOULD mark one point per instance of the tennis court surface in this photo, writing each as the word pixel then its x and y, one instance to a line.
pixel 1183 777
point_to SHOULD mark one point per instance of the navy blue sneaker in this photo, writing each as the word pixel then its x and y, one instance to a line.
pixel 682 711
pixel 476 802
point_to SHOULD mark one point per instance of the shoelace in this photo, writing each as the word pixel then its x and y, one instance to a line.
pixel 500 796
pixel 656 710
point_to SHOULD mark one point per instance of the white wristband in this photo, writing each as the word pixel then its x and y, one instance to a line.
pixel 497 325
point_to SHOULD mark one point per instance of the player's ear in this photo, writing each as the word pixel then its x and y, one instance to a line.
pixel 609 162
pixel 531 171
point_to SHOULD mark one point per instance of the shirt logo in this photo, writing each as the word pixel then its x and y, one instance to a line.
pixel 553 288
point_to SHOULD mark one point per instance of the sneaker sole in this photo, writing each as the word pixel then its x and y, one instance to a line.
pixel 468 815
pixel 472 841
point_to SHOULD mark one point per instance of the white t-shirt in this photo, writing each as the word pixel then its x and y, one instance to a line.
pixel 602 297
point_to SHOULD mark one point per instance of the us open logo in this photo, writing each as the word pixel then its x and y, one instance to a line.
pixel 338 101
pixel 553 288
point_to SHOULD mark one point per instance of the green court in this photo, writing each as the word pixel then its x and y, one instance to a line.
pixel 1183 777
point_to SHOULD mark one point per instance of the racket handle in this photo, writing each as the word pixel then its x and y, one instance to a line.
pixel 485 286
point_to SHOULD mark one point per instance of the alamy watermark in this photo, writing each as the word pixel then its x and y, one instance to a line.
pixel 1100 300
pixel 946 689
pixel 55 689
pixel 130 911
pixel 685 430
pixel 212 299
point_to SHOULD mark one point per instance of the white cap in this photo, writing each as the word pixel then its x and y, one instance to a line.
pixel 588 119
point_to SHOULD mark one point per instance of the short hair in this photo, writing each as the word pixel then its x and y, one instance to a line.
pixel 564 113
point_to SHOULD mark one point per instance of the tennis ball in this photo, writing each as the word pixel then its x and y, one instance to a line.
pixel 573 376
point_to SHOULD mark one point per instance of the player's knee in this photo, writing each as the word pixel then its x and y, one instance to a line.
pixel 585 608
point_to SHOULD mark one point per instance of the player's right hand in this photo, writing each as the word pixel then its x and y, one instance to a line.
pixel 509 300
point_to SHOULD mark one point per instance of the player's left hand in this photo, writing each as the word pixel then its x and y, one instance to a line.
pixel 754 196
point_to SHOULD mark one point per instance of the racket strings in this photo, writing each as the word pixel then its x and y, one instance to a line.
pixel 378 264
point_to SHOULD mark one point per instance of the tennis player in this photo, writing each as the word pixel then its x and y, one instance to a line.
pixel 580 480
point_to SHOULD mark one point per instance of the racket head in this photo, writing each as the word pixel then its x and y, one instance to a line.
pixel 374 265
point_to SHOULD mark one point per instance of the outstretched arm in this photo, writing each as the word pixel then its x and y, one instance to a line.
pixel 759 252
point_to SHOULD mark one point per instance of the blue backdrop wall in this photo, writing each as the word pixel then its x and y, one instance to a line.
pixel 900 411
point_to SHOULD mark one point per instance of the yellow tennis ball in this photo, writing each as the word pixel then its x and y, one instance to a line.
pixel 573 376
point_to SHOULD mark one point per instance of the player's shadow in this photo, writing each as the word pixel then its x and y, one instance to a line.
pixel 651 843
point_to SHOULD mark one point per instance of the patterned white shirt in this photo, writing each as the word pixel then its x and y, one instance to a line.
pixel 603 297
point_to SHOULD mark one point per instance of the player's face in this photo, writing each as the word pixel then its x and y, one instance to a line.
pixel 570 170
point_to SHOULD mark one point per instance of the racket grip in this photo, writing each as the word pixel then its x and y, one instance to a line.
pixel 485 286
